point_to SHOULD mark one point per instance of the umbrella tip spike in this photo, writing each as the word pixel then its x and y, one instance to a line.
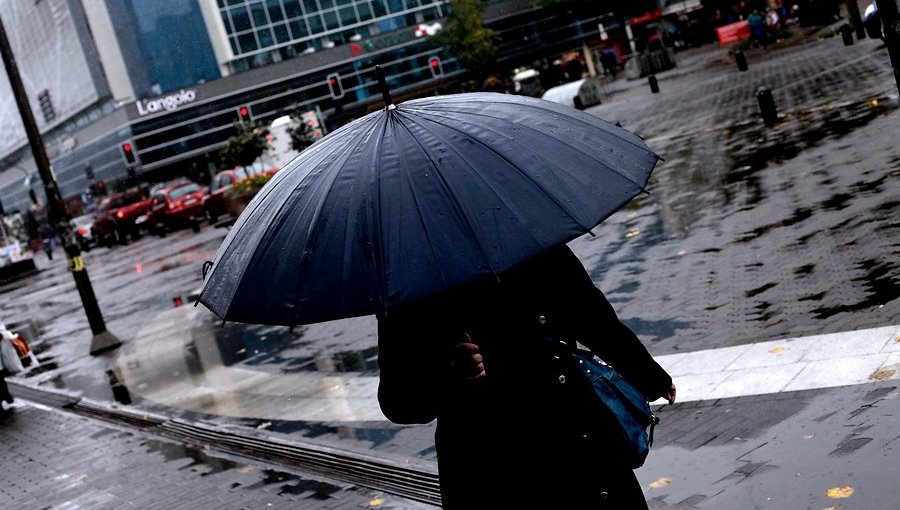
pixel 385 92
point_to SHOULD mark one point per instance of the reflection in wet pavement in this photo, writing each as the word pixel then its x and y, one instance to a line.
pixel 200 461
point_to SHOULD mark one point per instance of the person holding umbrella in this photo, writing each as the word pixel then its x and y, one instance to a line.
pixel 447 218
pixel 477 360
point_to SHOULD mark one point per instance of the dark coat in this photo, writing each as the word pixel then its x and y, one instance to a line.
pixel 515 438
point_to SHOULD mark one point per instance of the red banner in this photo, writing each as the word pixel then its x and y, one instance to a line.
pixel 734 32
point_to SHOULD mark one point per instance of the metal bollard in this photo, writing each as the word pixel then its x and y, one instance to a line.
pixel 741 60
pixel 654 85
pixel 767 106
pixel 847 34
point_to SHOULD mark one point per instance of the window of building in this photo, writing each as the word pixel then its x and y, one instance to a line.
pixel 259 14
pixel 348 16
pixel 282 35
pixel 274 9
pixel 247 42
pixel 298 29
pixel 266 38
pixel 240 19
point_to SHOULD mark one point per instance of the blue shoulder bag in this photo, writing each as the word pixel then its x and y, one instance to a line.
pixel 623 409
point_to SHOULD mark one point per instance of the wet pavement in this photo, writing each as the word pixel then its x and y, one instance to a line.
pixel 54 459
pixel 749 234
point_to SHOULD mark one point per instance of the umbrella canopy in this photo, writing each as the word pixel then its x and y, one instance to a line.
pixel 417 199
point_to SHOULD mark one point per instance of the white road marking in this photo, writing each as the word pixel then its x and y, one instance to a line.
pixel 154 366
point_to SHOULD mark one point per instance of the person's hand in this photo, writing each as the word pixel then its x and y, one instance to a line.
pixel 468 363
pixel 670 396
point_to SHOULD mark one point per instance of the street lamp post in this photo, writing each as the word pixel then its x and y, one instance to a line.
pixel 102 340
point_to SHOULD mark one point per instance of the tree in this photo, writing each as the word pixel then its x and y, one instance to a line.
pixel 245 147
pixel 302 134
pixel 466 38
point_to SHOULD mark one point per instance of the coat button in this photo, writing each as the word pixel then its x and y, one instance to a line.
pixel 542 320
pixel 562 379
pixel 604 496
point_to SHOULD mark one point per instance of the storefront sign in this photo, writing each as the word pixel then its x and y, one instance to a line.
pixel 168 103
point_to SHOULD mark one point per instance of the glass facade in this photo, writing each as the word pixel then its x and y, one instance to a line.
pixel 265 31
pixel 206 127
pixel 162 46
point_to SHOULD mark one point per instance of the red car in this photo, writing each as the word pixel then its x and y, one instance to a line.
pixel 176 205
pixel 117 215
pixel 216 202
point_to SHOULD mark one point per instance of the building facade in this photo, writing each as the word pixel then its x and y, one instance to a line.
pixel 171 83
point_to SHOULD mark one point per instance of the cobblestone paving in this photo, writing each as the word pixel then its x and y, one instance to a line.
pixel 53 459
pixel 751 233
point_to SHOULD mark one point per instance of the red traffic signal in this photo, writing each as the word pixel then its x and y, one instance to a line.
pixel 244 112
pixel 335 87
pixel 128 153
pixel 437 69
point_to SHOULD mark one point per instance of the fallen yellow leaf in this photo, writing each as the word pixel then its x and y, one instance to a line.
pixel 633 233
pixel 662 482
pixel 376 502
pixel 832 508
pixel 839 492
pixel 776 350
pixel 246 469
pixel 897 339
pixel 882 375
pixel 264 425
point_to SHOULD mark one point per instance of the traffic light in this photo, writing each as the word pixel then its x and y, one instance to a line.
pixel 335 86
pixel 128 153
pixel 437 70
pixel 101 188
pixel 244 113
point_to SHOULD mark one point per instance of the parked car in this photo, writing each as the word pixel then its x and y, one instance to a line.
pixel 215 204
pixel 178 205
pixel 116 215
pixel 872 22
pixel 82 227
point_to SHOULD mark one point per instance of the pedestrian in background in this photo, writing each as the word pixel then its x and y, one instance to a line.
pixel 757 21
pixel 10 364
pixel 480 360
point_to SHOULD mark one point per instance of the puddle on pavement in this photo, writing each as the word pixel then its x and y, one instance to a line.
pixel 208 465
pixel 751 146
pixel 277 348
pixel 880 281
pixel 295 485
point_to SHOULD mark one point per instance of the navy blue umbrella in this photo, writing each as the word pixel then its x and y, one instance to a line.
pixel 419 198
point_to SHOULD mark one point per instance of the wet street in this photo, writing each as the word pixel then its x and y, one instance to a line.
pixel 748 234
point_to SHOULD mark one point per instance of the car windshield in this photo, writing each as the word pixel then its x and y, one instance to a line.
pixel 183 190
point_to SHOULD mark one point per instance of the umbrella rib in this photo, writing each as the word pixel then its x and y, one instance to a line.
pixel 504 158
pixel 325 157
pixel 412 188
pixel 450 191
pixel 642 187
pixel 540 104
